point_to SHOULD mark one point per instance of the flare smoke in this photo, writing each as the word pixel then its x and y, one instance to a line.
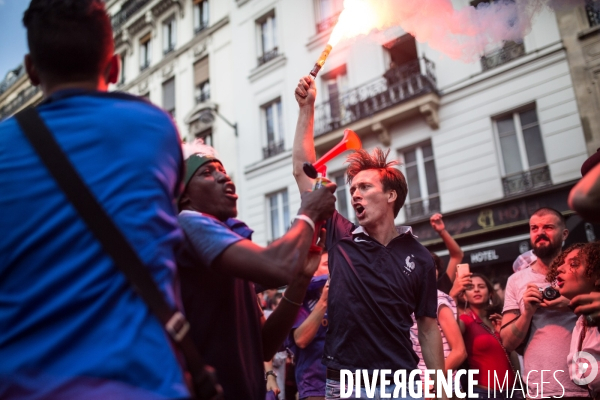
pixel 463 34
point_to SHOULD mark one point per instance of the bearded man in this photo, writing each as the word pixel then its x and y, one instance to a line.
pixel 543 326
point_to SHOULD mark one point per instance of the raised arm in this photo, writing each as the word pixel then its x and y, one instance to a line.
pixel 277 264
pixel 304 144
pixel 454 250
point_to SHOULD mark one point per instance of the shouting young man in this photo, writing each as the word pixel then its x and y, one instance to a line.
pixel 380 274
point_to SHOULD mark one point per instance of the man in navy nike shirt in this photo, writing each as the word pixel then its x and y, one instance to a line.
pixel 379 274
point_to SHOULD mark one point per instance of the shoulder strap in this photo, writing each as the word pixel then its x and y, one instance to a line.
pixel 116 245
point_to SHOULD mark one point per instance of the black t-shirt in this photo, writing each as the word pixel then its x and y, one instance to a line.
pixel 374 290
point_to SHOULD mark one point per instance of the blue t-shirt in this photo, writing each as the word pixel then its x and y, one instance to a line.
pixel 374 289
pixel 310 371
pixel 71 326
pixel 223 310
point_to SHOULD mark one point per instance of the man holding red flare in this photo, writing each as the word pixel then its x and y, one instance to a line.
pixel 379 274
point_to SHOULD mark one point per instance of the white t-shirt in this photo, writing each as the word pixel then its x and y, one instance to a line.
pixel 591 345
pixel 443 300
pixel 548 344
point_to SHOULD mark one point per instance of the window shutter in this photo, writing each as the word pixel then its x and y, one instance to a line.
pixel 201 71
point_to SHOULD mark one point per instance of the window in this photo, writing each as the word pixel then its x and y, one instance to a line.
pixel 201 81
pixel 206 137
pixel 200 15
pixel 335 83
pixel 343 205
pixel 169 96
pixel 267 28
pixel 145 51
pixel 273 122
pixel 328 12
pixel 123 65
pixel 279 214
pixel 403 59
pixel 169 35
pixel 423 194
pixel 522 150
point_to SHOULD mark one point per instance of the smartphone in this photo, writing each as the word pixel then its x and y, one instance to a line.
pixel 462 270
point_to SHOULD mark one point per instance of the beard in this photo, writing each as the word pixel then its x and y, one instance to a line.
pixel 552 249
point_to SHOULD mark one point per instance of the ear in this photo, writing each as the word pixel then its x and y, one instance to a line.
pixel 31 70
pixel 392 196
pixel 112 69
pixel 565 234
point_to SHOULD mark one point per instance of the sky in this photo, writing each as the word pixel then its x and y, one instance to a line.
pixel 13 42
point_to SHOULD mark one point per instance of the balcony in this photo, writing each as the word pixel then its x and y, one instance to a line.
pixel 398 85
pixel 422 208
pixel 129 8
pixel 509 52
pixel 22 98
pixel 268 56
pixel 273 149
pixel 593 12
pixel 526 181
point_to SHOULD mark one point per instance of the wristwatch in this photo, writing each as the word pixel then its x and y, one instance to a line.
pixel 271 372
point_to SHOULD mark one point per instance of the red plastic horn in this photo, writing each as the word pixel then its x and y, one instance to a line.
pixel 350 141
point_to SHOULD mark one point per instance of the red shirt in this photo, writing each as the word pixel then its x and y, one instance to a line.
pixel 485 353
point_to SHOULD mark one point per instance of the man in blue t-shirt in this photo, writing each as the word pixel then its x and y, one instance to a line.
pixel 307 337
pixel 380 275
pixel 71 325
pixel 219 265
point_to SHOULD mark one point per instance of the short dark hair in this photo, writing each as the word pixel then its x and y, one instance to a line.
pixel 439 265
pixel 391 178
pixel 68 40
pixel 550 210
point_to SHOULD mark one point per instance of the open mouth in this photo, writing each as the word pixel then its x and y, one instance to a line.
pixel 230 191
pixel 360 211
pixel 559 282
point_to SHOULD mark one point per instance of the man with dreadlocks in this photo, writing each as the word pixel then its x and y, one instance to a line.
pixel 380 274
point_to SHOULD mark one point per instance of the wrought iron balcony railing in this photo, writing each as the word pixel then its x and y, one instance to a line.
pixel 422 208
pixel 397 85
pixel 527 180
pixel 592 9
pixel 268 56
pixel 509 52
pixel 22 98
pixel 273 148
pixel 129 8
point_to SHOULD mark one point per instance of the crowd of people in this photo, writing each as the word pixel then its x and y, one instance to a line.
pixel 368 296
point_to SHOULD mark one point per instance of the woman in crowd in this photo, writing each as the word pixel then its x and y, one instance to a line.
pixel 485 351
pixel 576 271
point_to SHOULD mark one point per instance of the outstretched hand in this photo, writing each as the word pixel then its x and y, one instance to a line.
pixel 306 91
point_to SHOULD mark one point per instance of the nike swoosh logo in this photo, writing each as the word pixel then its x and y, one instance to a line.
pixel 358 240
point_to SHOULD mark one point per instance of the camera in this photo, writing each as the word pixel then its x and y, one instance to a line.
pixel 549 293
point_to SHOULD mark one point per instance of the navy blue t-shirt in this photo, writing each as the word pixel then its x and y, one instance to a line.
pixel 223 310
pixel 310 371
pixel 373 291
